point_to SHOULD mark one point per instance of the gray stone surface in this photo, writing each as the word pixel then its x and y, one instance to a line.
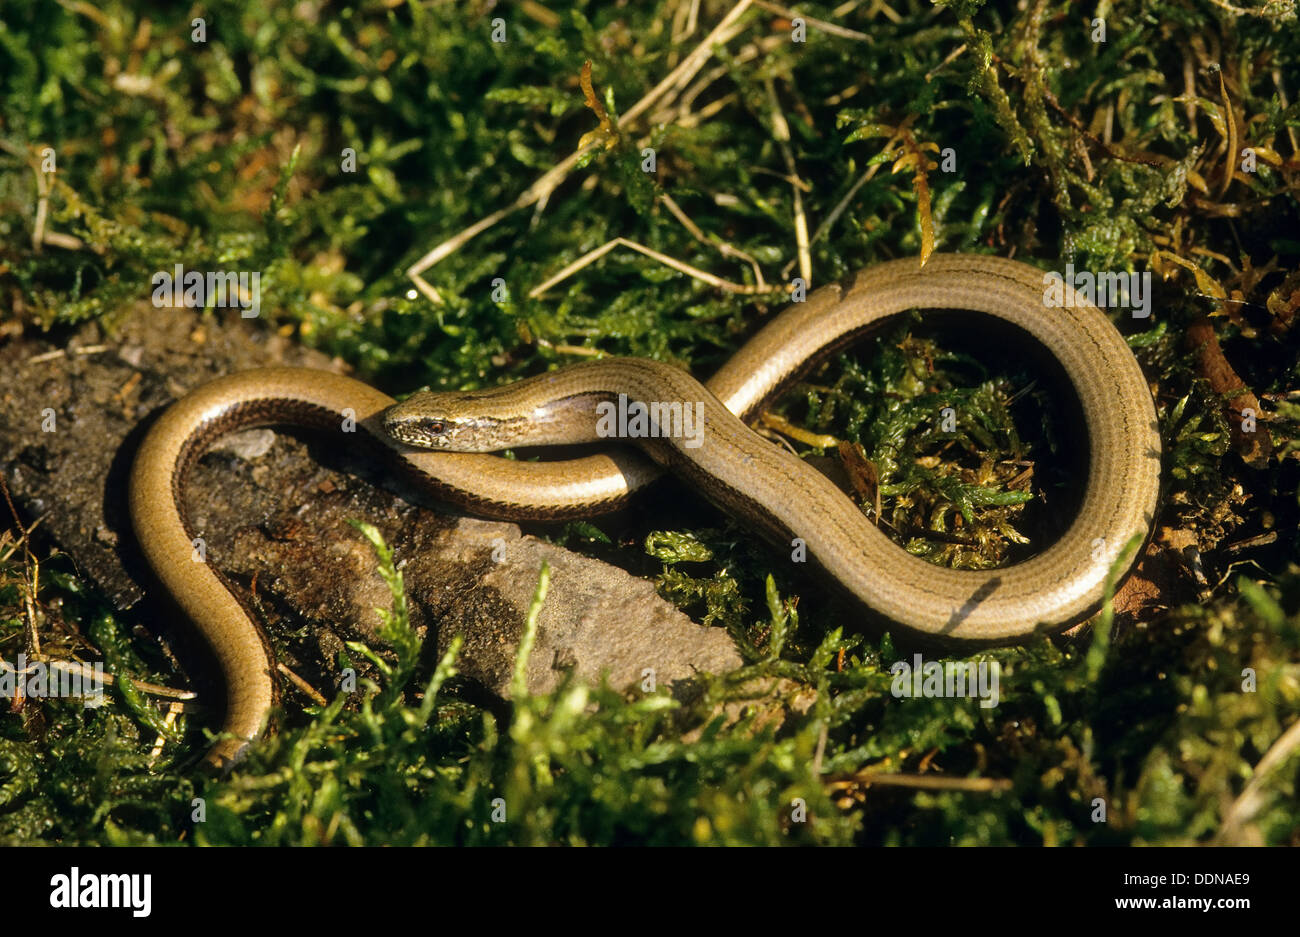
pixel 274 508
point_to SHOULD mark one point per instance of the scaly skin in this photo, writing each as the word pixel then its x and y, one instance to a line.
pixel 759 483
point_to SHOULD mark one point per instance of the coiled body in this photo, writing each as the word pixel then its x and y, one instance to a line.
pixel 745 474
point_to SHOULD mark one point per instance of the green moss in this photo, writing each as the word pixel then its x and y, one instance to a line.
pixel 230 154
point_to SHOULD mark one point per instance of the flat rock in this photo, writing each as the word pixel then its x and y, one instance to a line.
pixel 274 509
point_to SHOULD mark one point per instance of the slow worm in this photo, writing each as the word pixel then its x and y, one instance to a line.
pixel 762 485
